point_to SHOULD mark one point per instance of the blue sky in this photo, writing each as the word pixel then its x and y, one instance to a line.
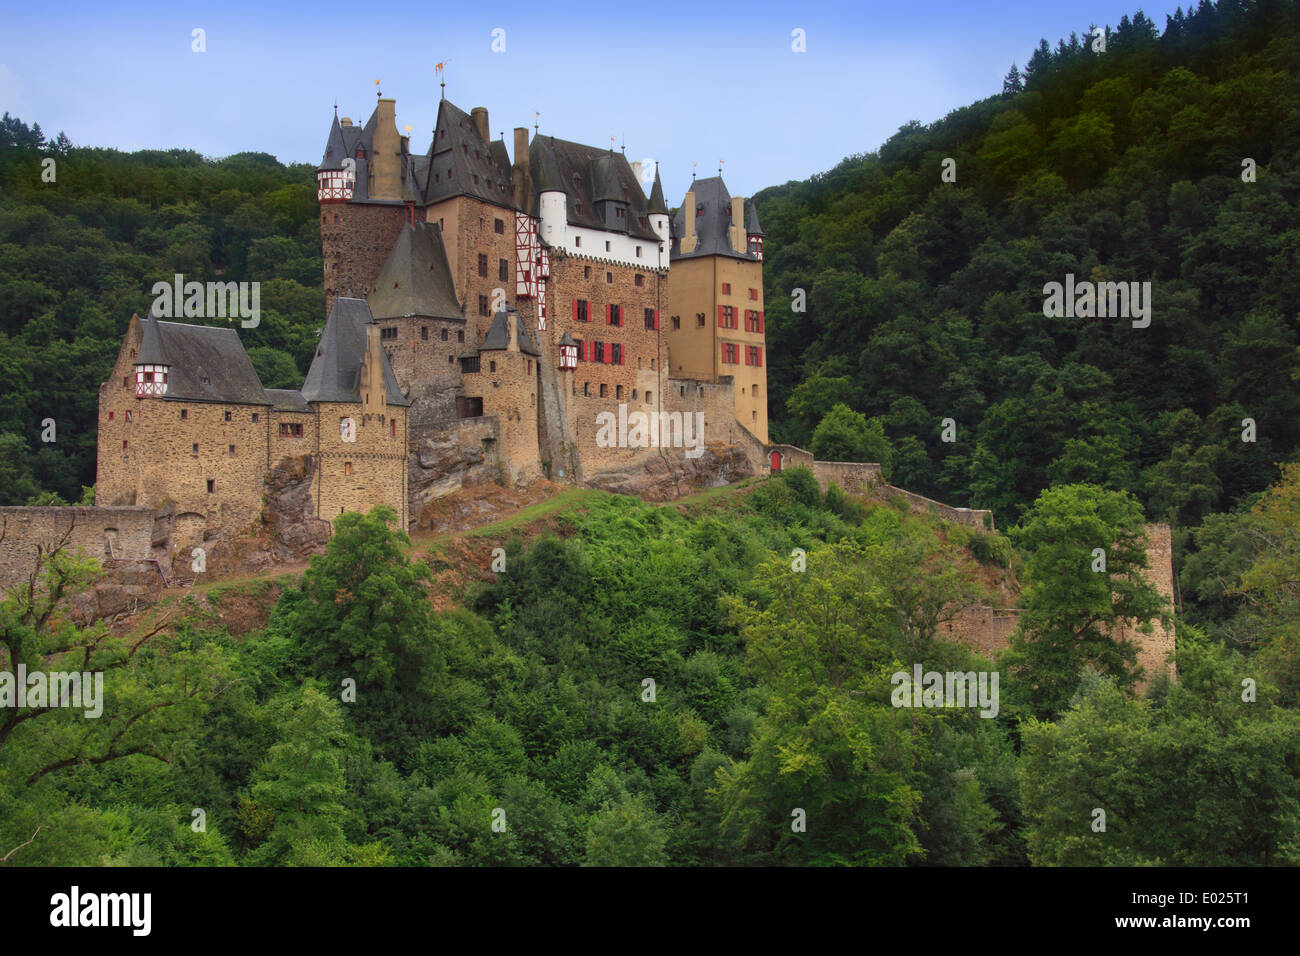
pixel 680 82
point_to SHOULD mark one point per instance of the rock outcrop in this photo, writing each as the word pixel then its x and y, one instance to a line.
pixel 666 474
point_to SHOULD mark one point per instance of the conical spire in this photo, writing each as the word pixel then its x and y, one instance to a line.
pixel 657 204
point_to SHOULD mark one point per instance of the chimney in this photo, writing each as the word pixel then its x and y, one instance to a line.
pixel 689 241
pixel 479 114
pixel 346 122
pixel 636 170
pixel 374 395
pixel 521 174
pixel 386 150
pixel 512 331
pixel 738 243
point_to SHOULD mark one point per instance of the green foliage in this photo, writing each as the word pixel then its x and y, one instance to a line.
pixel 1083 580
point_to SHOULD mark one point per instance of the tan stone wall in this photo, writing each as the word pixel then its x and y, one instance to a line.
pixel 355 247
pixel 510 393
pixel 129 530
pixel 855 477
pixel 426 365
pixel 159 462
pixel 985 630
pixel 1153 648
pixel 287 446
pixel 377 460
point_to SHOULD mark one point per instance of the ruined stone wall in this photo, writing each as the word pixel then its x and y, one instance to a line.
pixel 970 517
pixel 1153 648
pixel 856 477
pixel 985 630
pixel 102 533
pixel 355 241
pixel 792 456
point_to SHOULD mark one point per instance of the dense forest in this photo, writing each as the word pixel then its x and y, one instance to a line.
pixel 711 683
pixel 661 685
pixel 80 254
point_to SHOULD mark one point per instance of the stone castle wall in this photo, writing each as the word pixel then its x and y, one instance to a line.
pixel 124 533
pixel 355 241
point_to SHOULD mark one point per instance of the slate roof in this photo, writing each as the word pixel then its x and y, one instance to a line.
pixel 194 353
pixel 751 222
pixel 587 175
pixel 458 155
pixel 416 277
pixel 712 226
pixel 287 400
pixel 657 204
pixel 498 336
pixel 335 373
pixel 343 142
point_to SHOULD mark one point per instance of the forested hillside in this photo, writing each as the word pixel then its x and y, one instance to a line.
pixel 925 297
pixel 78 255
pixel 660 685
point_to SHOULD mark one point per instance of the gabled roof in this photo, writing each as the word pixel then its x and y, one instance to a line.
pixel 587 175
pixel 711 226
pixel 335 373
pixel 416 277
pixel 498 336
pixel 206 363
pixel 462 164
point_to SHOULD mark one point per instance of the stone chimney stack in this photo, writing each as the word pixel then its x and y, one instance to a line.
pixel 385 162
pixel 480 117
pixel 522 174
pixel 512 331
pixel 690 240
pixel 374 394
pixel 738 239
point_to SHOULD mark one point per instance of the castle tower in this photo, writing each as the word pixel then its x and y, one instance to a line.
pixel 715 328
pixel 363 203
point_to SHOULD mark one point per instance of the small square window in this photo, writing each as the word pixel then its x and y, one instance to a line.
pixel 232 451
pixel 228 414
pixel 255 416
pixel 444 335
pixel 110 416
pixel 586 274
pixel 212 485
pixel 194 449
pixel 609 277
pixel 577 240
pixel 498 226
pixel 185 413
pixel 424 333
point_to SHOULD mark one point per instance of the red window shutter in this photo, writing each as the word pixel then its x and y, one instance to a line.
pixel 575 310
pixel 719 316
pixel 760 322
pixel 758 354
pixel 656 318
pixel 622 356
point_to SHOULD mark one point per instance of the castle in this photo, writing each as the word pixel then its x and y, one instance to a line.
pixel 488 317
pixel 498 307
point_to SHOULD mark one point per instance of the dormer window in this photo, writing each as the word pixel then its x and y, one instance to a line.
pixel 577 181
pixel 361 153
pixel 699 211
